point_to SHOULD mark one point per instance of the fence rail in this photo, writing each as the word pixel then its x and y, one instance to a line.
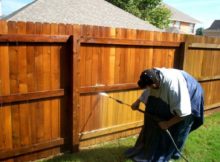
pixel 24 97
pixel 127 42
pixel 31 38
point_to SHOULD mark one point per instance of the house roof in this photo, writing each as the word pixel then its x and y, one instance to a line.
pixel 87 12
pixel 180 16
pixel 215 25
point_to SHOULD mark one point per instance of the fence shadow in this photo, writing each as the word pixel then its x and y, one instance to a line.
pixel 100 154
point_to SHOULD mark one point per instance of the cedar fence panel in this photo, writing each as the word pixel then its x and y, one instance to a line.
pixel 202 59
pixel 33 107
pixel 51 76
pixel 128 55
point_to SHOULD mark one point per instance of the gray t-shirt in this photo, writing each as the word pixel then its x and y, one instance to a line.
pixel 173 90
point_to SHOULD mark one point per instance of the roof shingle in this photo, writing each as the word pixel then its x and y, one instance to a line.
pixel 87 12
pixel 215 25
pixel 180 16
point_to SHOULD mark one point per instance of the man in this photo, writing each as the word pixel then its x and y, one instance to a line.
pixel 174 101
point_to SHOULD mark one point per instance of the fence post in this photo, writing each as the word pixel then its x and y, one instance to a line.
pixel 75 92
pixel 184 46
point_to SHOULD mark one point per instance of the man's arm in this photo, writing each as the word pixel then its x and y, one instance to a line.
pixel 136 104
pixel 169 123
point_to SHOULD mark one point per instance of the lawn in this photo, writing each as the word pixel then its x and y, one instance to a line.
pixel 202 145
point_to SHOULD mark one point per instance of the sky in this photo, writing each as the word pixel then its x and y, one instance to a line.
pixel 9 6
pixel 206 11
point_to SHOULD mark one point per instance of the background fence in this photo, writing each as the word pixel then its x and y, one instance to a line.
pixel 51 76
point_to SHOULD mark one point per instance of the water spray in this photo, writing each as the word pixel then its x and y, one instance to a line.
pixel 117 100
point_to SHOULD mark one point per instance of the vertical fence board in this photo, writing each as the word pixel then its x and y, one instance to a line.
pixel 39 85
pixel 24 111
pixel 14 87
pixel 46 67
pixel 31 86
pixel 55 84
pixel 112 59
pixel 5 111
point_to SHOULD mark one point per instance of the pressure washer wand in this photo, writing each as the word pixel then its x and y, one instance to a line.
pixel 119 101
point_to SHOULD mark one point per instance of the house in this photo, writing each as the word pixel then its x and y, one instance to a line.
pixel 213 30
pixel 181 22
pixel 83 12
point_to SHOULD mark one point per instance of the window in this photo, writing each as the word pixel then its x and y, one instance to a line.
pixel 177 24
pixel 191 28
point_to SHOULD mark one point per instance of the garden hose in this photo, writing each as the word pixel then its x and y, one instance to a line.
pixel 171 138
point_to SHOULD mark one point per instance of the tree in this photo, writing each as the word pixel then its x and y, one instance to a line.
pixel 159 16
pixel 149 10
pixel 199 31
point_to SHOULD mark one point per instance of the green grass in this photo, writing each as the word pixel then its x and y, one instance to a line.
pixel 203 145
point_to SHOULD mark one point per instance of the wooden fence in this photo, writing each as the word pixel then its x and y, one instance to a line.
pixel 51 76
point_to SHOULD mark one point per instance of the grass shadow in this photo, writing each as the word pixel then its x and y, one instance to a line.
pixel 100 154
pixel 203 144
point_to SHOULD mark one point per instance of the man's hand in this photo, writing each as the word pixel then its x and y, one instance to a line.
pixel 163 125
pixel 136 105
pixel 169 123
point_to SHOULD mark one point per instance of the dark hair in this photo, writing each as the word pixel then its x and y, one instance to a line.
pixel 148 77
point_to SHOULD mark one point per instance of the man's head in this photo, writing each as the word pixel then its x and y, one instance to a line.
pixel 149 78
